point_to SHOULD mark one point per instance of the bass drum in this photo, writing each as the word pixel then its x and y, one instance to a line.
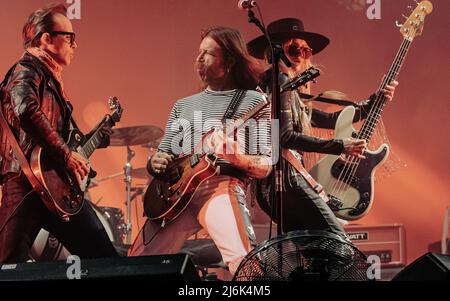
pixel 47 248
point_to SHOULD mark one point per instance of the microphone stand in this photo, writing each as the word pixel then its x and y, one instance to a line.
pixel 277 54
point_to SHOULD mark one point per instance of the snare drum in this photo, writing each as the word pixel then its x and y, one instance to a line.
pixel 47 248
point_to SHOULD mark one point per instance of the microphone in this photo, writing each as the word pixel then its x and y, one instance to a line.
pixel 246 4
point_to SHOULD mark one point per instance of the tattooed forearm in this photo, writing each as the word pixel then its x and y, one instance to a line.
pixel 257 167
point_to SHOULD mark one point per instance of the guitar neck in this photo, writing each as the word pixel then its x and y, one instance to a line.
pixel 374 116
pixel 95 140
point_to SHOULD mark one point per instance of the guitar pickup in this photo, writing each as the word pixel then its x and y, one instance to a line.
pixel 193 160
pixel 344 172
pixel 174 175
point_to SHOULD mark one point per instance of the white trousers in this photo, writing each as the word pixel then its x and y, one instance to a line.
pixel 218 206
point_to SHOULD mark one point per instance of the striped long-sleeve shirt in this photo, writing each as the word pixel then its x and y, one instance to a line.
pixel 193 116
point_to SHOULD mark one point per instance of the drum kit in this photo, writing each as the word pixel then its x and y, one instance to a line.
pixel 46 247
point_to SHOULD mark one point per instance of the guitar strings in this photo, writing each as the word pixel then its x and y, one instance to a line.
pixel 351 159
pixel 349 172
pixel 349 169
pixel 352 165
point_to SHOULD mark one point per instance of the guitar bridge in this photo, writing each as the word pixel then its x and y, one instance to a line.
pixel 334 203
pixel 213 158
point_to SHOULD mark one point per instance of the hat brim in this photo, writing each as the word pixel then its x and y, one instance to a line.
pixel 317 42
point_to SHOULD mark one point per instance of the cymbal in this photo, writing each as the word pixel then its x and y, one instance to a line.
pixel 152 144
pixel 135 135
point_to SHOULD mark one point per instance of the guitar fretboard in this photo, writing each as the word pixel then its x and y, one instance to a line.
pixel 96 139
pixel 374 116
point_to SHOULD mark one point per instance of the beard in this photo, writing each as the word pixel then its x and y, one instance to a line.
pixel 201 71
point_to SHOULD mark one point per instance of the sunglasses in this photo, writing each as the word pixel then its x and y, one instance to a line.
pixel 302 51
pixel 65 33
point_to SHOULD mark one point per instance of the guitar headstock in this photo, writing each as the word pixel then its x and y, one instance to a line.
pixel 312 73
pixel 413 25
pixel 116 108
pixel 301 79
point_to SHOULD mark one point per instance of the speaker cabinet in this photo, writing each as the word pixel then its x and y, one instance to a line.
pixel 430 267
pixel 158 267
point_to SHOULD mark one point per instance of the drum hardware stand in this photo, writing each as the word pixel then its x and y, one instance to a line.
pixel 127 172
pixel 137 191
pixel 128 136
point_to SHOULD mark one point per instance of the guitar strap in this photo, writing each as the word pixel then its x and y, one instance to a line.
pixel 228 169
pixel 20 156
pixel 289 156
pixel 234 104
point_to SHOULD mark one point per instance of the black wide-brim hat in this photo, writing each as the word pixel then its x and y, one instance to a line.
pixel 283 29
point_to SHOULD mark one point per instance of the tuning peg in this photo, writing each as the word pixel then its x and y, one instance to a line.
pixel 398 24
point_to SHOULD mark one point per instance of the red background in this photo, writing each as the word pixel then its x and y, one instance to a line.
pixel 143 52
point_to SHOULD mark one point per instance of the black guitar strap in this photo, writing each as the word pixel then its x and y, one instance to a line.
pixel 226 168
pixel 234 104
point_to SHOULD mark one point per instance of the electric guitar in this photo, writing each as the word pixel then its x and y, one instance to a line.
pixel 62 194
pixel 167 196
pixel 349 181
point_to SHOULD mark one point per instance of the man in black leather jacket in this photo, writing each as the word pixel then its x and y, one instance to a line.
pixel 37 110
